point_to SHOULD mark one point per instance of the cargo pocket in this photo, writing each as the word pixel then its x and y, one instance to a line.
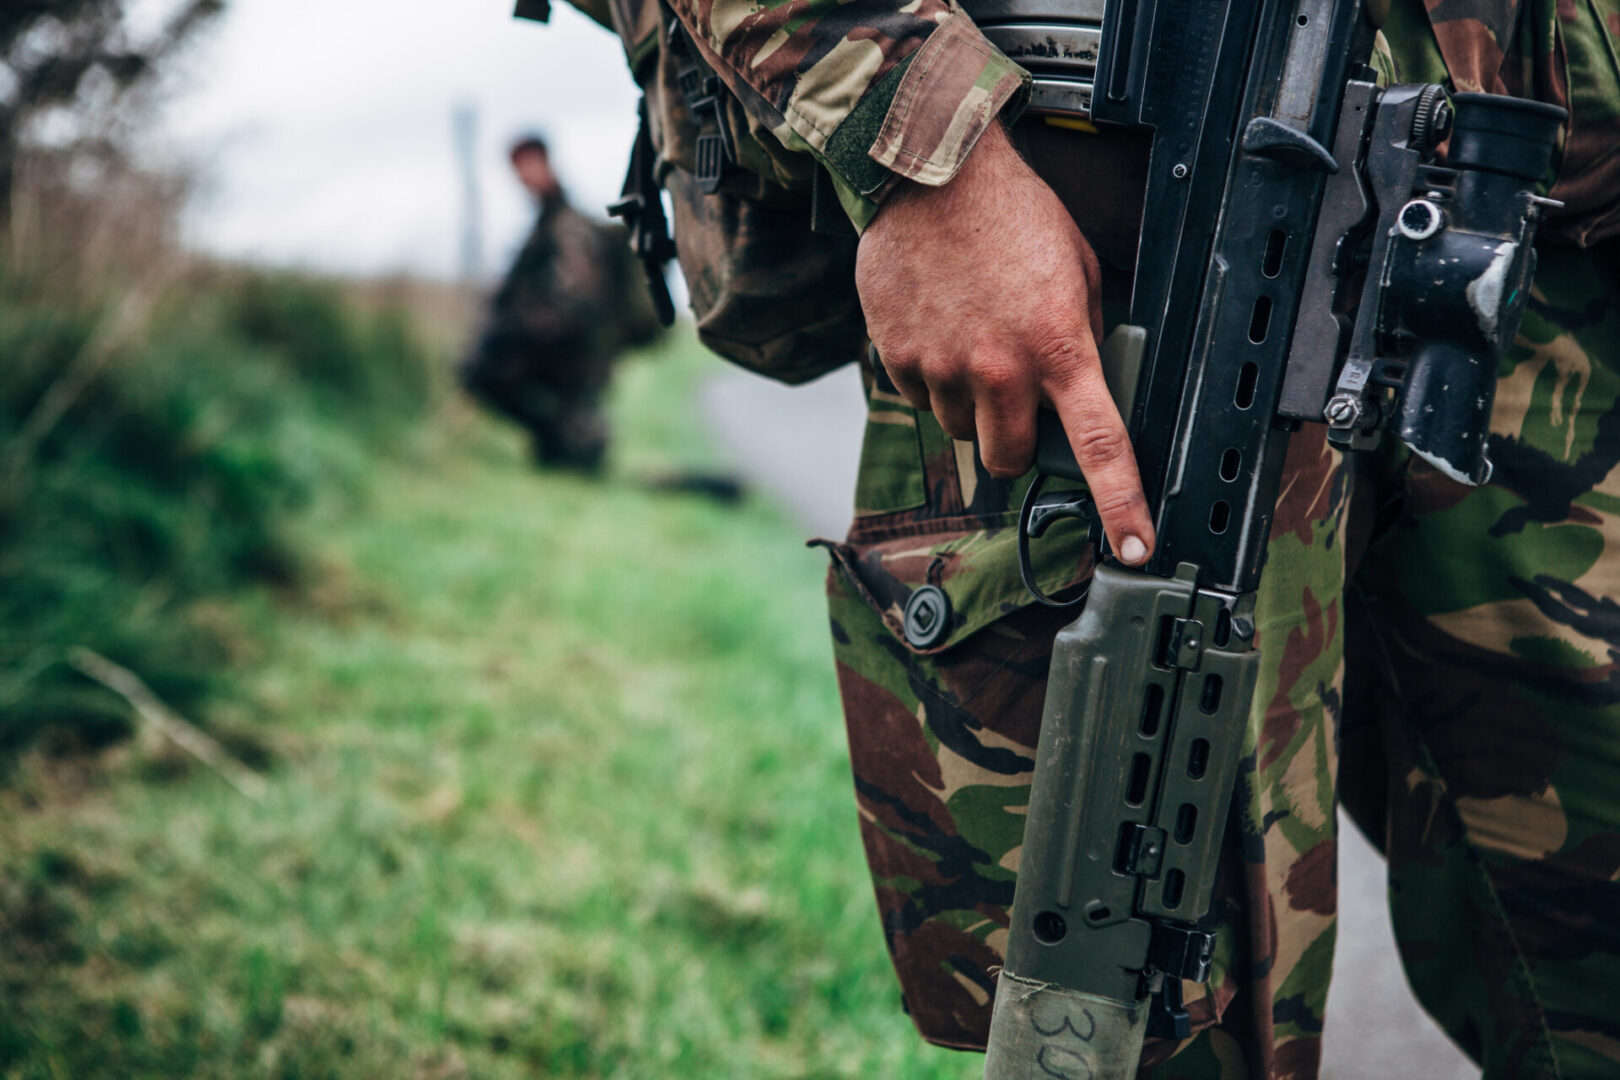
pixel 942 663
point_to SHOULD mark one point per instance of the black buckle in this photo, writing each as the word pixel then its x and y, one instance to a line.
pixel 642 211
pixel 702 90
pixel 712 159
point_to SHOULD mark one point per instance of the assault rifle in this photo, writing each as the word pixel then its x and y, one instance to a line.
pixel 1303 259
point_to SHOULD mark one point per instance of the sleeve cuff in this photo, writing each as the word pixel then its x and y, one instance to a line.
pixel 953 89
pixel 922 119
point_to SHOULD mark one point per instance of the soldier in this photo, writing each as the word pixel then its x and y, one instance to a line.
pixel 1443 657
pixel 568 306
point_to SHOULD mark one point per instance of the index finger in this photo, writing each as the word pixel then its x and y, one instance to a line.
pixel 1102 449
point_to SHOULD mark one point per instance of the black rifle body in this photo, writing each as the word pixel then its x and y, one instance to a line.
pixel 1279 254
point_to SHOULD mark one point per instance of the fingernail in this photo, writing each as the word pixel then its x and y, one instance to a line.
pixel 1132 551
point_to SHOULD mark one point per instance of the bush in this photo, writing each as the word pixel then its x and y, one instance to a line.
pixel 146 469
pixel 368 369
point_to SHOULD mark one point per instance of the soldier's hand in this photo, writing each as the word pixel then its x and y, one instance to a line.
pixel 982 299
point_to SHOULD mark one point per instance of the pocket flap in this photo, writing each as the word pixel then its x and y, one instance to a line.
pixel 973 569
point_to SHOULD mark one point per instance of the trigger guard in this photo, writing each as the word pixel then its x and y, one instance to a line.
pixel 1029 525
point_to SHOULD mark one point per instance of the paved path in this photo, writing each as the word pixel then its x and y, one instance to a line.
pixel 801 446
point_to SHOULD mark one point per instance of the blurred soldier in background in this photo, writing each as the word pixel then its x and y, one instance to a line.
pixel 571 302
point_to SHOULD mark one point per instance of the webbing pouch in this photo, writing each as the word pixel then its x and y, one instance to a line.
pixel 768 291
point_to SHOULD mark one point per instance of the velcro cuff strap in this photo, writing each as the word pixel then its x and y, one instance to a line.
pixel 953 89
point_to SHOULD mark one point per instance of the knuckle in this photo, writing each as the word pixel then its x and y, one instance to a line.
pixel 1007 463
pixel 953 417
pixel 999 378
pixel 1063 358
pixel 1091 266
pixel 898 361
pixel 1055 334
pixel 1102 447
pixel 1128 502
pixel 938 371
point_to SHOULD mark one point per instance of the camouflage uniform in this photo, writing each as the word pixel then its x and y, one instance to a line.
pixel 1466 670
pixel 569 304
pixel 1453 649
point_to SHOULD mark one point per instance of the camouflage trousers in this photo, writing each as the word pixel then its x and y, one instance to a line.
pixel 1441 659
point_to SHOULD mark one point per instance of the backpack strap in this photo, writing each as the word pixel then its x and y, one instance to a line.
pixel 642 210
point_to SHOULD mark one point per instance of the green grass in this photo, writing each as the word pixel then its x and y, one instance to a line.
pixel 152 463
pixel 558 788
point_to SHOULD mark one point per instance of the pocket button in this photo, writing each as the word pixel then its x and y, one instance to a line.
pixel 928 617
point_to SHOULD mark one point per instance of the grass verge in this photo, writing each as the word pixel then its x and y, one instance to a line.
pixel 559 789
pixel 158 441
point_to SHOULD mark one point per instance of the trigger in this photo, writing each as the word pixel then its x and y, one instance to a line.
pixel 1036 516
pixel 1056 507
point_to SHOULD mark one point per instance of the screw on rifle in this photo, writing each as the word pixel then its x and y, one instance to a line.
pixel 1179 171
pixel 1343 410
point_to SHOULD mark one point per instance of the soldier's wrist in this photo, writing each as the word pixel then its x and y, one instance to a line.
pixel 988 169
pixel 919 124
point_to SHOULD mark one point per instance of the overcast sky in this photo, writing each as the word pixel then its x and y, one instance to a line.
pixel 322 128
